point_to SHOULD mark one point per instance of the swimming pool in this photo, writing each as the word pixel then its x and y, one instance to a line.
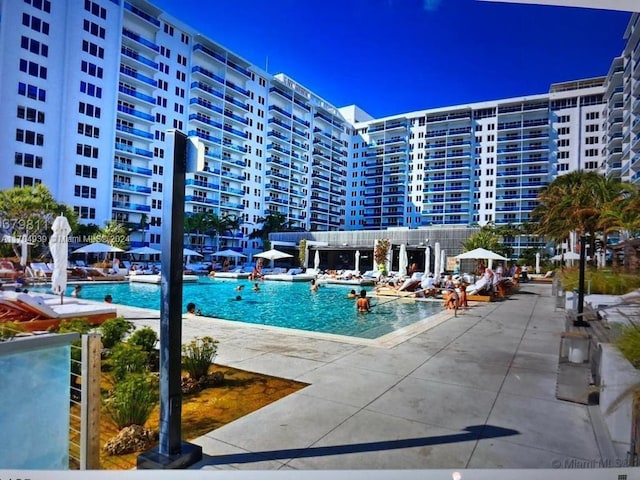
pixel 280 304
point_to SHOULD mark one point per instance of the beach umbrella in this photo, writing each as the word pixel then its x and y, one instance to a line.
pixel 228 253
pixel 316 260
pixel 538 262
pixel 98 248
pixel 436 260
pixel 443 261
pixel 480 254
pixel 24 253
pixel 357 266
pixel 274 254
pixel 58 245
pixel 427 261
pixel 144 251
pixel 403 261
pixel 566 256
pixel 187 252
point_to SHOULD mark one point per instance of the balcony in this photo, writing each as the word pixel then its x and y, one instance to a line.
pixel 140 40
pixel 133 93
pixel 128 52
pixel 132 169
pixel 136 207
pixel 131 187
pixel 130 72
pixel 207 88
pixel 134 131
pixel 136 113
pixel 123 147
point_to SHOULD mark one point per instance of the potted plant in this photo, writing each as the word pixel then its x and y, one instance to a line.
pixel 380 254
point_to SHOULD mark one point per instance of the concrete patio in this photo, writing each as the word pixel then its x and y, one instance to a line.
pixel 472 391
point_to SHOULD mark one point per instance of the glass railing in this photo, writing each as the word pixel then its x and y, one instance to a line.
pixel 132 73
pixel 131 187
pixel 132 168
pixel 203 119
pixel 208 51
pixel 136 113
pixel 141 40
pixel 131 206
pixel 207 88
pixel 142 14
pixel 198 183
pixel 207 73
pixel 123 147
pixel 206 136
pixel 237 88
pixel 136 56
pixel 199 199
pixel 133 93
pixel 134 131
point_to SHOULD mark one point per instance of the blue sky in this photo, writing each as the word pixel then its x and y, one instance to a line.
pixel 396 56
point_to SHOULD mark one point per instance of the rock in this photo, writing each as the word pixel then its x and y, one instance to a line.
pixel 214 380
pixel 130 439
pixel 189 385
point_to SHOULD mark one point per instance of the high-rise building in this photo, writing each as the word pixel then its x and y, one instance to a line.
pixel 90 87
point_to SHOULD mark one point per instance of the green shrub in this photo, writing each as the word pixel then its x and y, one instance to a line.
pixel 80 325
pixel 126 359
pixel 629 344
pixel 600 281
pixel 133 400
pixel 145 337
pixel 8 330
pixel 198 356
pixel 114 330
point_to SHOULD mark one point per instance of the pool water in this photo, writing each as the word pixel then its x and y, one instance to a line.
pixel 280 304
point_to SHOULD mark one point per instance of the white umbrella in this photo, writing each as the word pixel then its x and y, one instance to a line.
pixel 427 261
pixel 443 261
pixel 58 244
pixel 98 248
pixel 357 266
pixel 538 262
pixel 481 254
pixel 228 253
pixel 436 260
pixel 566 256
pixel 316 260
pixel 273 254
pixel 187 252
pixel 144 251
pixel 24 254
pixel 403 261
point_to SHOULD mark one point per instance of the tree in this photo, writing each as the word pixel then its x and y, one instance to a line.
pixel 273 222
pixel 488 237
pixel 31 211
pixel 114 234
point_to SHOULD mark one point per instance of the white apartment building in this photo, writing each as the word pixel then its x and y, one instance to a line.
pixel 90 87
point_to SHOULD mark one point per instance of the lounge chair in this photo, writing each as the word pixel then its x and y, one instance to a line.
pixel 7 270
pixel 36 313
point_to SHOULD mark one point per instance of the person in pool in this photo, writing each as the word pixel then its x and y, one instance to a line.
pixel 192 310
pixel 362 303
pixel 352 294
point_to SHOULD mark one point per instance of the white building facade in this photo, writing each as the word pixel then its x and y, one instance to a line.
pixel 90 87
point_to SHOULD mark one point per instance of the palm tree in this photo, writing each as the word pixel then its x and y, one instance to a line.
pixel 195 224
pixel 273 222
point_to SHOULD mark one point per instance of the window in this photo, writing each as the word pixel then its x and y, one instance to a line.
pixel 35 23
pixel 89 110
pixel 30 137
pixel 30 114
pixel 92 49
pixel 84 191
pixel 33 69
pixel 86 150
pixel 85 212
pixel 95 9
pixel 28 160
pixel 88 130
pixel 94 29
pixel 34 46
pixel 19 181
pixel 592 128
pixel 44 5
pixel 91 89
pixel 591 152
pixel 91 69
pixel 86 171
pixel 168 29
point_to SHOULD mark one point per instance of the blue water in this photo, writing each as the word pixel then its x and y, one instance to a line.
pixel 280 304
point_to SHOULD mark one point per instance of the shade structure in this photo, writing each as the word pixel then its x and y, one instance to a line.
pixel 144 251
pixel 357 263
pixel 316 260
pixel 187 252
pixel 566 256
pixel 273 254
pixel 58 245
pixel 98 248
pixel 403 261
pixel 228 253
pixel 480 254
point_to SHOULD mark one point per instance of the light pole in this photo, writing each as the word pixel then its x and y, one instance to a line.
pixel 579 321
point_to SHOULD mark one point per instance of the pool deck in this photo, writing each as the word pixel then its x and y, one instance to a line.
pixel 472 391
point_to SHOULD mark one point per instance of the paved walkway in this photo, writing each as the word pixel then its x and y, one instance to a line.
pixel 473 391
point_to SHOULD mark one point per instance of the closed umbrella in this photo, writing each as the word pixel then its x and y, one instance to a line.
pixel 427 261
pixel 58 245
pixel 443 261
pixel 436 260
pixel 316 260
pixel 357 266
pixel 403 261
